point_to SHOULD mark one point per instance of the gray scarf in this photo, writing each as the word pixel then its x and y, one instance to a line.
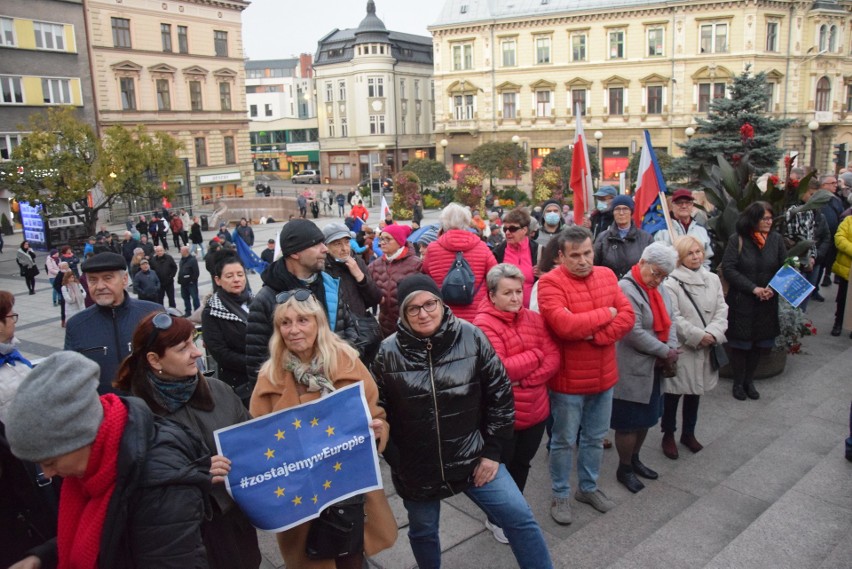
pixel 311 375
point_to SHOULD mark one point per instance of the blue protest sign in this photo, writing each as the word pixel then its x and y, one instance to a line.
pixel 790 284
pixel 288 466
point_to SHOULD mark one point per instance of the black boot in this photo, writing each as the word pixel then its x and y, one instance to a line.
pixel 752 362
pixel 626 476
pixel 750 391
pixel 642 470
pixel 738 368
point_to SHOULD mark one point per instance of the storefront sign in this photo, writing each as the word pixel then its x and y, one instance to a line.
pixel 214 178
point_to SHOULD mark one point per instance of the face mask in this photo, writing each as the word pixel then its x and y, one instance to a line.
pixel 551 218
pixel 602 206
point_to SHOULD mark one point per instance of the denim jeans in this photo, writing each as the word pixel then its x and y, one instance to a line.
pixel 189 292
pixel 195 247
pixel 505 506
pixel 570 412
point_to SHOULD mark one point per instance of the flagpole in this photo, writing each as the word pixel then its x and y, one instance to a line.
pixel 664 205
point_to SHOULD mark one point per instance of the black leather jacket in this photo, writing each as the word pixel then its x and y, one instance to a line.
pixel 448 402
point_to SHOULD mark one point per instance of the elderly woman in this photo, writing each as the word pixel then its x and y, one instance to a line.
pixel 449 403
pixel 398 262
pixel 701 317
pixel 224 320
pixel 751 259
pixel 620 246
pixel 519 248
pixel 133 485
pixel 530 356
pixel 306 362
pixel 161 370
pixel 441 258
pixel 637 401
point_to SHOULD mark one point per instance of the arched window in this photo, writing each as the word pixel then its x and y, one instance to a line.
pixel 823 95
pixel 823 37
pixel 832 39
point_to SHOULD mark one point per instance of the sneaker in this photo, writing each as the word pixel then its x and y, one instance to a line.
pixel 497 531
pixel 560 511
pixel 597 499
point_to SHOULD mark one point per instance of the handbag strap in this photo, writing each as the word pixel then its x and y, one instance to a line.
pixel 692 300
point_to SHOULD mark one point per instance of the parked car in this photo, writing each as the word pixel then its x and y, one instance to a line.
pixel 306 177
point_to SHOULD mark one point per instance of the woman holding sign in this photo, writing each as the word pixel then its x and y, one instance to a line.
pixel 753 256
pixel 306 362
pixel 162 371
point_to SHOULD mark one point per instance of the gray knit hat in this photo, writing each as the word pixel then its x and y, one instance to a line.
pixel 57 409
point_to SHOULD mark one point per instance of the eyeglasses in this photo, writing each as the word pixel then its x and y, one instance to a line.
pixel 511 228
pixel 413 310
pixel 766 218
pixel 621 209
pixel 13 316
pixel 300 294
pixel 659 275
pixel 161 321
pixel 384 239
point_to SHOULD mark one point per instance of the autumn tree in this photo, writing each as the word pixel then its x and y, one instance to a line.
pixel 499 160
pixel 406 192
pixel 62 165
pixel 561 158
pixel 429 172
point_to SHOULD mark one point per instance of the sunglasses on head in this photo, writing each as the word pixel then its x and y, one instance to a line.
pixel 300 294
pixel 511 228
pixel 162 321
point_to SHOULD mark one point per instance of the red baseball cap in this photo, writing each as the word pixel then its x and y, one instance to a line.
pixel 682 194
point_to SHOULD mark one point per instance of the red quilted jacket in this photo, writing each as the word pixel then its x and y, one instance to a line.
pixel 529 354
pixel 577 312
pixel 441 254
pixel 387 274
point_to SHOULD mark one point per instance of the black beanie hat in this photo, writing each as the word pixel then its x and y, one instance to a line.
pixel 298 235
pixel 416 283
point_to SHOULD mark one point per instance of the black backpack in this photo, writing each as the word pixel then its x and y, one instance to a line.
pixel 458 286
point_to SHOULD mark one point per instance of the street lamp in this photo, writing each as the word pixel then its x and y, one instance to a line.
pixel 515 140
pixel 444 143
pixel 689 132
pixel 813 126
pixel 598 137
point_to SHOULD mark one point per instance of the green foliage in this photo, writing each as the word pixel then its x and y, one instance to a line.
pixel 469 187
pixel 406 192
pixel 63 161
pixel 5 225
pixel 664 158
pixel 512 193
pixel 547 184
pixel 499 159
pixel 720 132
pixel 431 202
pixel 429 172
pixel 561 158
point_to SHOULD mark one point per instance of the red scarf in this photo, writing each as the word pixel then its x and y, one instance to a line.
pixel 759 239
pixel 662 321
pixel 83 501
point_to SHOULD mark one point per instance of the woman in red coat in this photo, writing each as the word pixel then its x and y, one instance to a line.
pixel 531 358
pixel 441 254
pixel 398 262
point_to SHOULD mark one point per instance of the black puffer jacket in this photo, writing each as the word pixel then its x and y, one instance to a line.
pixel 276 278
pixel 620 254
pixel 746 267
pixel 449 402
pixel 161 494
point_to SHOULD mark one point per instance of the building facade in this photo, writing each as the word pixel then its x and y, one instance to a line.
pixel 43 63
pixel 282 111
pixel 177 67
pixel 375 100
pixel 520 68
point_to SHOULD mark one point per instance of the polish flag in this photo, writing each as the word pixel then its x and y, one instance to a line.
pixel 385 209
pixel 581 173
pixel 650 183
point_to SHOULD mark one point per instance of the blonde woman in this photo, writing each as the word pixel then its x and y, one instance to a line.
pixel 308 361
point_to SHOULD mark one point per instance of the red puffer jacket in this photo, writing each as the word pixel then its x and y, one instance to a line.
pixel 441 255
pixel 529 354
pixel 577 312
pixel 387 274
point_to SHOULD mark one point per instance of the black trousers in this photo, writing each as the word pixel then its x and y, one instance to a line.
pixel 167 289
pixel 841 301
pixel 518 455
pixel 690 412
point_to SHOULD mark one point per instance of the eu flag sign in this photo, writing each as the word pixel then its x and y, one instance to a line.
pixel 288 466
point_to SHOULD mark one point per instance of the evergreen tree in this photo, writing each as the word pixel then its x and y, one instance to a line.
pixel 724 131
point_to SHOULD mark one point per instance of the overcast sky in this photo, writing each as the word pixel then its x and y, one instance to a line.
pixel 278 29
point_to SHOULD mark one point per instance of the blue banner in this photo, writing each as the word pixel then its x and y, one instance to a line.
pixel 790 284
pixel 250 259
pixel 288 466
pixel 654 220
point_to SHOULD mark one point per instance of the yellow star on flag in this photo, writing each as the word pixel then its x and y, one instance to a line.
pixel 327 484
pixel 297 423
pixel 279 492
pixel 297 500
pixel 337 466
pixel 330 431
pixel 279 435
pixel 314 422
pixel 314 499
pixel 269 453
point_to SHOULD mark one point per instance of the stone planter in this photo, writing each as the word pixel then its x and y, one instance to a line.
pixel 769 366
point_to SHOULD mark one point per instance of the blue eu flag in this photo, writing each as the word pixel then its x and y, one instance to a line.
pixel 288 466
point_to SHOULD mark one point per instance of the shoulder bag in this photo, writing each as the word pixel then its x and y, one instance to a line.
pixel 718 355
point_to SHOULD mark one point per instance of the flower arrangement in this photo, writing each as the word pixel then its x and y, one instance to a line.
pixel 794 326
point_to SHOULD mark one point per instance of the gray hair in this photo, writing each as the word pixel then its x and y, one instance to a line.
pixel 661 255
pixel 825 177
pixel 455 216
pixel 500 272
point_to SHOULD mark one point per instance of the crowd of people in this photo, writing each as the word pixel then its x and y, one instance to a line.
pixel 471 346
